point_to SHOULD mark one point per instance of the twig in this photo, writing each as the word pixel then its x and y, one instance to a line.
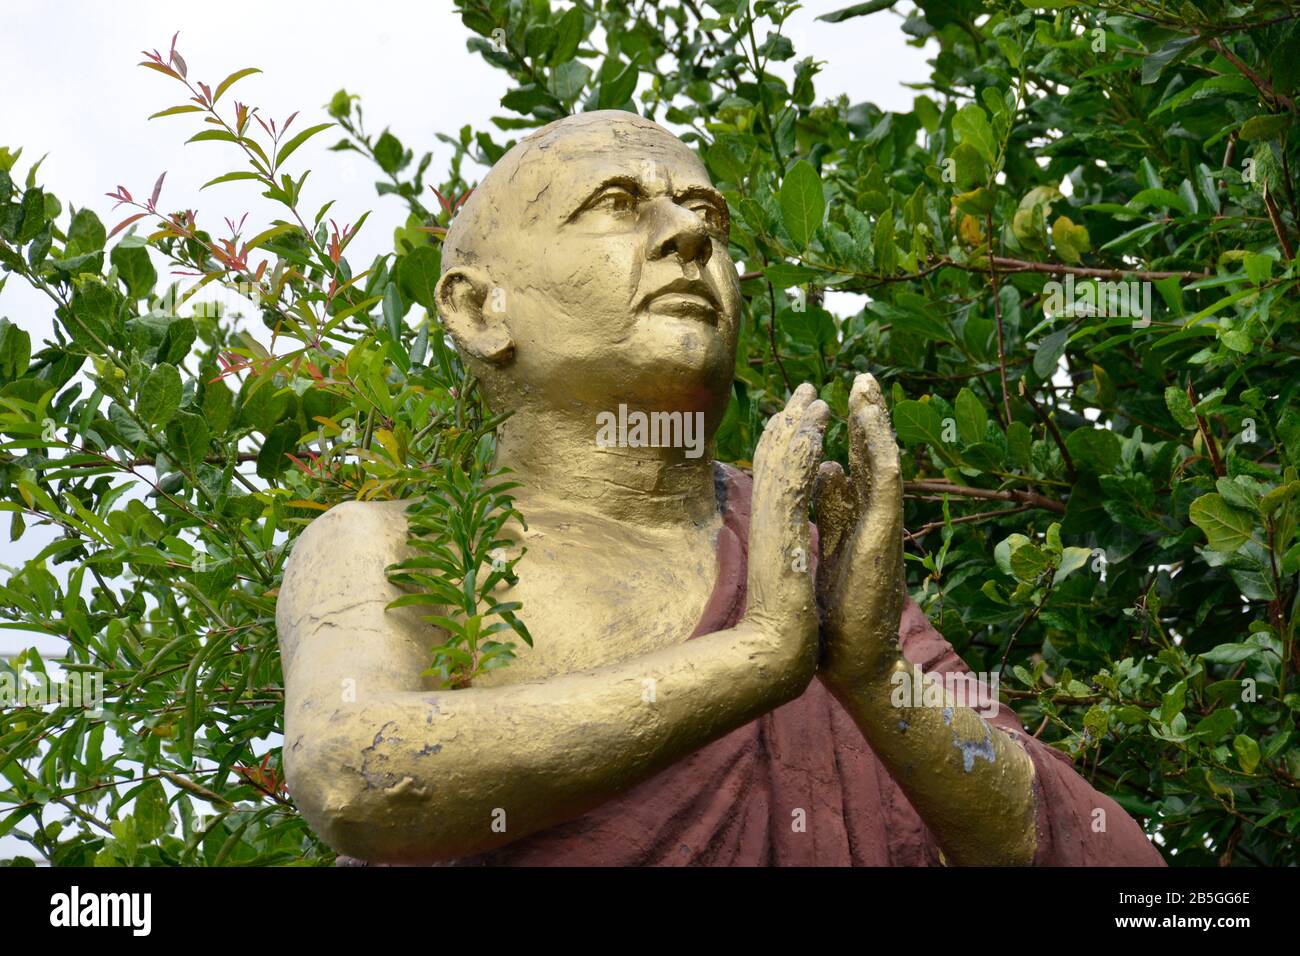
pixel 1030 498
pixel 1004 264
pixel 1050 424
pixel 997 314
pixel 1211 447
pixel 1265 88
pixel 934 525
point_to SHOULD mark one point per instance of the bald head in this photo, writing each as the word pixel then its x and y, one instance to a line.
pixel 590 268
pixel 512 195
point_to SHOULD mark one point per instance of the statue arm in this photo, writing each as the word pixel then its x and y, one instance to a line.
pixel 967 779
pixel 970 782
pixel 978 813
pixel 386 772
pixel 410 776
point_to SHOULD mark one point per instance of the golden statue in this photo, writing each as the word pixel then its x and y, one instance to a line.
pixel 685 701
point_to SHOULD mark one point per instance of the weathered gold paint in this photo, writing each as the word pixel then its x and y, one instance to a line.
pixel 590 268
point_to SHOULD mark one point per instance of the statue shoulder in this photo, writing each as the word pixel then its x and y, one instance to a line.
pixel 339 562
pixel 352 531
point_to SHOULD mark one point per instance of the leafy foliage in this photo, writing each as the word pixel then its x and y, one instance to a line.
pixel 456 528
pixel 1072 262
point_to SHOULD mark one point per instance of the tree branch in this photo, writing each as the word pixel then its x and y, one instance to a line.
pixel 1031 498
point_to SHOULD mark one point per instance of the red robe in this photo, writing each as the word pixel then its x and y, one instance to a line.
pixel 732 802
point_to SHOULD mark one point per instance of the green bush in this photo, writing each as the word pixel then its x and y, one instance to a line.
pixel 1077 253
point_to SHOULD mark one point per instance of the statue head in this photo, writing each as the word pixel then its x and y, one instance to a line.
pixel 590 268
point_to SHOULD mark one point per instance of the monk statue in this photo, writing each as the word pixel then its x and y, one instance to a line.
pixel 713 680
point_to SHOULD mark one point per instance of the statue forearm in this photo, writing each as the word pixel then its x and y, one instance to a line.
pixel 403 776
pixel 969 781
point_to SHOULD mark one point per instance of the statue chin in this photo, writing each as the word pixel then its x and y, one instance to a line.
pixel 682 364
pixel 653 375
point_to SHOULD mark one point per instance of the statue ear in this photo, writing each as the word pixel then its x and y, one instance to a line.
pixel 475 314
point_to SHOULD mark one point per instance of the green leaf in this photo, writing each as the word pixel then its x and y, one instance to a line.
pixel 218 407
pixel 150 812
pixel 231 80
pixel 1180 406
pixel 417 276
pixel 1019 557
pixel 272 458
pixel 95 318
pixel 187 438
pixel 569 33
pixel 1259 268
pixel 1231 653
pixel 969 168
pixel 1028 562
pixel 394 310
pixel 617 89
pixel 1094 449
pixel 570 79
pixel 236 176
pixel 972 418
pixel 160 395
pixel 1072 559
pixel 917 422
pixel 389 153
pixel 15 351
pixel 1226 528
pixel 177 110
pixel 971 124
pixel 977 202
pixel 1071 241
pixel 803 204
pixel 1171 52
pixel 1173 701
pixel 213 136
pixel 1163 198
pixel 290 147
pixel 1049 352
pixel 857 10
pixel 1264 127
pixel 1247 751
pixel 135 269
pixel 85 234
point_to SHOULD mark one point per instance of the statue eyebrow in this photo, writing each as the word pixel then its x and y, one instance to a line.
pixel 711 195
pixel 703 192
pixel 635 187
pixel 626 182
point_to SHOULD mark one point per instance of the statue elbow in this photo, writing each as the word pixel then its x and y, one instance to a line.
pixel 374 814
pixel 333 799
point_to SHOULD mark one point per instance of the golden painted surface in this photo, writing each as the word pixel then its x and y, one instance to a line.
pixel 590 269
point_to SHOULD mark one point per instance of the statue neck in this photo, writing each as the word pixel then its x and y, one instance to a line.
pixel 558 458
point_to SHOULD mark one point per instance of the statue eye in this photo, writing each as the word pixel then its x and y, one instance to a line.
pixel 616 199
pixel 710 214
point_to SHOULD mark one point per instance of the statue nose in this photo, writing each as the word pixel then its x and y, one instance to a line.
pixel 681 233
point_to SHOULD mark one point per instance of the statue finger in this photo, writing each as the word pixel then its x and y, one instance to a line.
pixel 775 440
pixel 864 396
pixel 880 449
pixel 835 506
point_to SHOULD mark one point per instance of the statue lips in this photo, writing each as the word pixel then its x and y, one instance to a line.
pixel 685 298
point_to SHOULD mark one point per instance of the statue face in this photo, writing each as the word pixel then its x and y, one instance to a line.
pixel 607 247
